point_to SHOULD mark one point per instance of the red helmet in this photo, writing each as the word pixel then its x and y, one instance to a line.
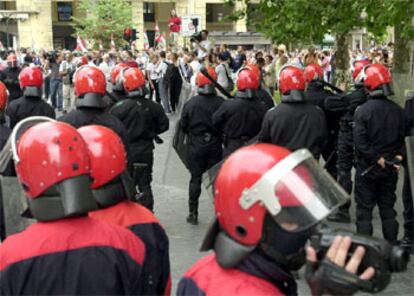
pixel 31 77
pixel 358 66
pixel 377 77
pixel 90 87
pixel 290 187
pixel 107 153
pixel 203 80
pixel 292 82
pixel 133 80
pixel 115 72
pixel 60 154
pixel 313 72
pixel 248 79
pixel 4 95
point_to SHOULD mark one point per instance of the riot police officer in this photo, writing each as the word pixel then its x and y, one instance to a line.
pixel 262 225
pixel 31 103
pixel 408 239
pixel 379 137
pixel 295 123
pixel 118 92
pixel 316 94
pixel 66 252
pixel 346 152
pixel 239 119
pixel 10 77
pixel 205 142
pixel 90 87
pixel 144 121
pixel 114 193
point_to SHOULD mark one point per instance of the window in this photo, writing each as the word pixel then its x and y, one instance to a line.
pixel 217 12
pixel 7 5
pixel 64 11
pixel 149 12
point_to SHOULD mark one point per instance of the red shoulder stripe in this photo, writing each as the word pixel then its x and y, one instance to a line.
pixel 69 234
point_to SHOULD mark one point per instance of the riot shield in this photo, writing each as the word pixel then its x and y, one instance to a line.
pixel 180 143
pixel 13 204
pixel 409 145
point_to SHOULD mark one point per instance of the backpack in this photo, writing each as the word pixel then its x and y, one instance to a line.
pixel 168 73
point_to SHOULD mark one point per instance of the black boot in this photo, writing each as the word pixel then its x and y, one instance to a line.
pixel 340 217
pixel 408 244
pixel 192 219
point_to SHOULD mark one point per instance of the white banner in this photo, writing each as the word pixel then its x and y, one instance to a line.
pixel 187 25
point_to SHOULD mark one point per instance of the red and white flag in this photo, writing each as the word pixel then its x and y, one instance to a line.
pixel 81 44
pixel 146 42
pixel 160 41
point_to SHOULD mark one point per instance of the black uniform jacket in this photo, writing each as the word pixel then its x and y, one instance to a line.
pixel 28 106
pixel 72 256
pixel 295 125
pixel 197 115
pixel 239 118
pixel 86 116
pixel 10 77
pixel 379 130
pixel 156 121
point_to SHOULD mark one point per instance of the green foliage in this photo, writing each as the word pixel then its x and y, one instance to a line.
pixel 305 21
pixel 103 19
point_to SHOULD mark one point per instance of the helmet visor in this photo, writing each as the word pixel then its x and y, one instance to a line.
pixel 297 192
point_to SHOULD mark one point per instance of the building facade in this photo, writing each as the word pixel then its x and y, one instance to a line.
pixel 47 23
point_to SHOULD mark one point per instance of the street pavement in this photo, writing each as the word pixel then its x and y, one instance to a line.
pixel 170 192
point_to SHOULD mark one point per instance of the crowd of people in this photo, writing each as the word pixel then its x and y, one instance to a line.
pixel 92 169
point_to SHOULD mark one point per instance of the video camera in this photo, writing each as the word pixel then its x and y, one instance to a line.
pixel 196 37
pixel 51 56
pixel 379 254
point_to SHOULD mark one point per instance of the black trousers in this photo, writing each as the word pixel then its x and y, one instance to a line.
pixel 345 162
pixel 175 90
pixel 155 90
pixel 376 188
pixel 140 168
pixel 201 156
pixel 408 213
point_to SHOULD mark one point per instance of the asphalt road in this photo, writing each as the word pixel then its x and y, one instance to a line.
pixel 170 191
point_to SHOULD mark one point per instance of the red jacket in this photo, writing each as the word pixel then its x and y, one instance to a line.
pixel 72 256
pixel 206 277
pixel 175 24
pixel 143 223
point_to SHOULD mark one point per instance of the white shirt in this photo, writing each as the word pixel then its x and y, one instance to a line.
pixel 106 70
pixel 195 65
pixel 207 45
pixel 152 69
pixel 162 68
pixel 222 75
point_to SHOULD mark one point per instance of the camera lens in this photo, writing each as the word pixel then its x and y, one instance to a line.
pixel 398 259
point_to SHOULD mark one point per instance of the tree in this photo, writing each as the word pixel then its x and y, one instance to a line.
pixel 103 20
pixel 306 22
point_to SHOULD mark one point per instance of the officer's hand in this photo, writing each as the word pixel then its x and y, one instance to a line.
pixel 399 158
pixel 338 252
pixel 381 162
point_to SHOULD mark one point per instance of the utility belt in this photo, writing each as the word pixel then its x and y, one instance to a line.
pixel 243 139
pixel 346 125
pixel 204 137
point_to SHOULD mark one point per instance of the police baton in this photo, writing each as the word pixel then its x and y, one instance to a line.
pixel 333 87
pixel 368 170
pixel 204 71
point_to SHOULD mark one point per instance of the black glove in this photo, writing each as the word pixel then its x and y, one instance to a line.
pixel 328 278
